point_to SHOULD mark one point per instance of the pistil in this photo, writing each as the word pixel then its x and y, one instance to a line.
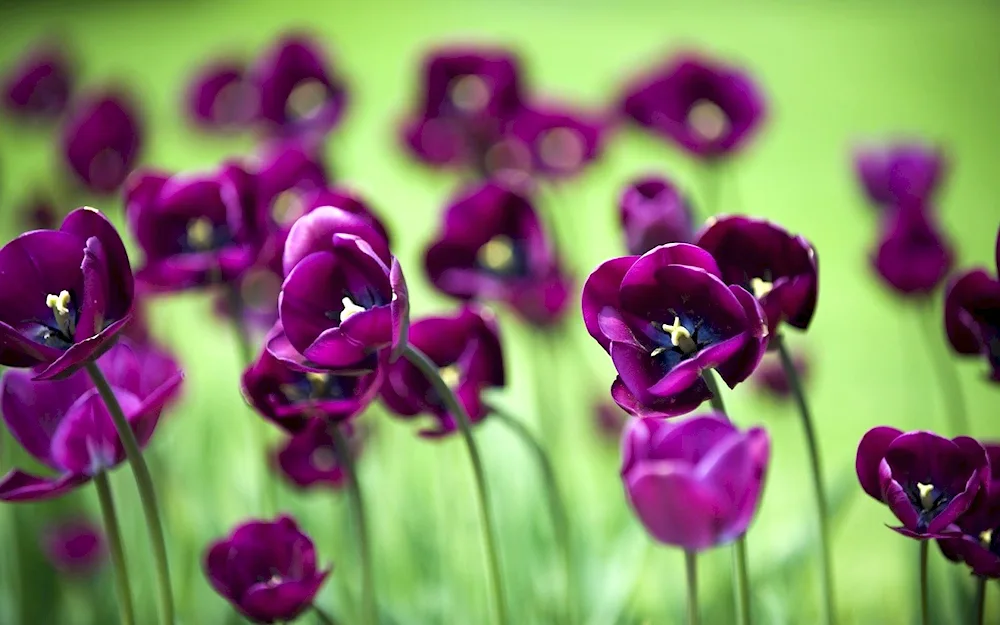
pixel 350 309
pixel 60 309
pixel 199 234
pixel 760 287
pixel 497 254
pixel 927 498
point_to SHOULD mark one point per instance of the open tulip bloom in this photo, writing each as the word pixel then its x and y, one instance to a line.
pixel 972 315
pixel 977 543
pixel 664 318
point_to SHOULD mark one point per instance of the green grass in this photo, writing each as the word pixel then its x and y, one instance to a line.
pixel 834 72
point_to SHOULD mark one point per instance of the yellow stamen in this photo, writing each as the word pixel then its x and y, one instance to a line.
pixel 350 309
pixel 680 336
pixel 451 375
pixel 60 309
pixel 561 148
pixel 497 254
pixel 926 495
pixel 708 120
pixel 292 392
pixel 305 99
pixel 199 234
pixel 318 383
pixel 985 538
pixel 287 207
pixel 469 93
pixel 760 287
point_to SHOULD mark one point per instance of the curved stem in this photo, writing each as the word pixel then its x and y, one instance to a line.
pixel 147 492
pixel 323 617
pixel 427 367
pixel 557 506
pixel 691 567
pixel 947 377
pixel 980 600
pixel 924 612
pixel 826 562
pixel 115 550
pixel 346 461
pixel 741 575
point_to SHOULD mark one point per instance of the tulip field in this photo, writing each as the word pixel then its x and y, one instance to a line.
pixel 499 313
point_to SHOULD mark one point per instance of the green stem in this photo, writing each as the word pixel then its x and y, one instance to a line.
pixel 147 492
pixel 323 617
pixel 947 377
pixel 740 568
pixel 346 461
pixel 243 342
pixel 691 567
pixel 452 405
pixel 924 611
pixel 557 506
pixel 980 600
pixel 711 183
pixel 826 560
pixel 117 554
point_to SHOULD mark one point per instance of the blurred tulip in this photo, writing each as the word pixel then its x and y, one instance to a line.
pixel 610 420
pixel 900 173
pixel 771 378
pixel 913 256
pixel 102 137
pixel 74 547
pixel 972 315
pixel 309 459
pixel 664 318
pixel 220 97
pixel 558 142
pixel 694 483
pixel 653 212
pixel 39 85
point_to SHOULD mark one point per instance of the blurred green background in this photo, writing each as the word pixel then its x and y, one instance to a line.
pixel 834 73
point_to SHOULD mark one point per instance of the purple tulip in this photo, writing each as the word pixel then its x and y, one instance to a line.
pixel 492 248
pixel 926 480
pixel 653 212
pixel 195 229
pixel 299 93
pixel 65 294
pixel 694 483
pixel 309 458
pixel 901 173
pixel 281 174
pixel 707 109
pixel 557 141
pixel 101 140
pixel 913 256
pixel 344 300
pixel 290 398
pixel 74 547
pixel 978 544
pixel 39 86
pixel 65 425
pixel 220 97
pixel 665 317
pixel 466 349
pixel 468 96
pixel 972 315
pixel 779 269
pixel 266 570
pixel 770 376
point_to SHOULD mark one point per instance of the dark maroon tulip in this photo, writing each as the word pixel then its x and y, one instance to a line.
pixel 653 212
pixel 221 98
pixel 299 93
pixel 901 173
pixel 559 142
pixel 972 315
pixel 665 317
pixel 913 256
pixel 39 85
pixel 266 570
pixel 344 300
pixel 290 398
pixel 466 349
pixel 468 96
pixel 716 470
pixel 978 544
pixel 74 547
pixel 101 140
pixel 309 458
pixel 706 108
pixel 65 425
pixel 492 248
pixel 64 295
pixel 926 480
pixel 195 229
pixel 770 376
pixel 780 270
pixel 610 420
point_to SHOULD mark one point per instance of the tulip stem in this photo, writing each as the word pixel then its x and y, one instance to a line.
pixel 948 381
pixel 980 600
pixel 557 505
pixel 430 371
pixel 826 561
pixel 147 492
pixel 346 461
pixel 691 567
pixel 925 618
pixel 323 617
pixel 741 576
pixel 117 554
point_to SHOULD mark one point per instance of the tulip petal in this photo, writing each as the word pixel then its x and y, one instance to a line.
pixel 871 450
pixel 20 486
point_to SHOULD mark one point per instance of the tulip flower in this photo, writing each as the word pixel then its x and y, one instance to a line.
pixel 707 109
pixel 926 480
pixel 978 541
pixel 466 348
pixel 266 569
pixel 491 247
pixel 66 294
pixel 309 458
pixel 654 212
pixel 559 142
pixel 75 547
pixel 900 173
pixel 664 318
pixel 220 97
pixel 65 425
pixel 39 85
pixel 101 140
pixel 694 483
pixel 972 315
pixel 913 256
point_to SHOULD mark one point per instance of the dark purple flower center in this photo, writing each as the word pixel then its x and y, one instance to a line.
pixel 928 501
pixel 677 341
pixel 503 256
pixel 202 235
pixel 313 386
